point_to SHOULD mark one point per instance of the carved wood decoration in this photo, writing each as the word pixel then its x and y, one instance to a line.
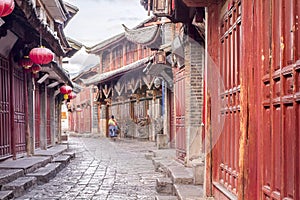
pixel 106 90
pixel 148 80
pixel 134 84
pixel 119 87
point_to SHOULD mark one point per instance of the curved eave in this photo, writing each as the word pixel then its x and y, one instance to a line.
pixel 106 43
pixel 48 35
pixel 72 11
pixel 100 78
pixel 56 72
pixel 56 11
pixel 143 36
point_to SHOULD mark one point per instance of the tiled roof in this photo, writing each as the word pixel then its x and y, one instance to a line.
pixel 100 46
pixel 145 35
pixel 115 73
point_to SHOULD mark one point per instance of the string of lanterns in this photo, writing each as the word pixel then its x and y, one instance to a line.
pixel 67 92
pixel 37 56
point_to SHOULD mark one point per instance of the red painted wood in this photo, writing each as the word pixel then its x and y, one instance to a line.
pixel 230 134
pixel 172 119
pixel 37 116
pixel 5 116
pixel 19 110
pixel 180 114
pixel 271 94
pixel 48 119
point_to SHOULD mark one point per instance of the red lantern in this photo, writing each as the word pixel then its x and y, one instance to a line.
pixel 65 89
pixel 36 68
pixel 6 7
pixel 72 95
pixel 26 62
pixel 41 55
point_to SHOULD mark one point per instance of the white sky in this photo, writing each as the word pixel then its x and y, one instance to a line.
pixel 98 20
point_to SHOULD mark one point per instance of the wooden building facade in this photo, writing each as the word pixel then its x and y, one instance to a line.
pixel 252 95
pixel 29 102
pixel 121 87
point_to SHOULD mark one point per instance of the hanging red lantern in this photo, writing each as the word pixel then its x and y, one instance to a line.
pixel 65 89
pixel 72 95
pixel 36 68
pixel 41 55
pixel 6 7
pixel 26 62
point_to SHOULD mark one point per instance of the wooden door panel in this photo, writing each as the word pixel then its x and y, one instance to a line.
pixel 289 152
pixel 19 110
pixel 5 122
pixel 280 179
pixel 226 150
pixel 180 142
pixel 276 150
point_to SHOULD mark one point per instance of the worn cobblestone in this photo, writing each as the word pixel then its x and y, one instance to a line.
pixel 102 170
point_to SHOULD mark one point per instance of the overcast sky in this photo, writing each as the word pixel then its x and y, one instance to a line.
pixel 98 20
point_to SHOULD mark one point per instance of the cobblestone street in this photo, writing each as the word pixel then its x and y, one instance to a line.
pixel 102 169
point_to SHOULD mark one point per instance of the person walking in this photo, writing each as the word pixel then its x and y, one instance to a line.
pixel 112 126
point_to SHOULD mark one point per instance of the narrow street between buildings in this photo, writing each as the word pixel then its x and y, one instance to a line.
pixel 102 169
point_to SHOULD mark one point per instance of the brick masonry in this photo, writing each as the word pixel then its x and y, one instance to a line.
pixel 194 64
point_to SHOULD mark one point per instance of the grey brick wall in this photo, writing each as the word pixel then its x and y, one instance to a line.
pixel 194 62
pixel 194 68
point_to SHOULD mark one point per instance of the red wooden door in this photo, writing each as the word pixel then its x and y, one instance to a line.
pixel 37 116
pixel 280 107
pixel 226 106
pixel 48 123
pixel 19 110
pixel 180 114
pixel 5 122
pixel 172 119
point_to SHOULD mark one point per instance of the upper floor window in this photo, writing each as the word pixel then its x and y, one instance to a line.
pixel 105 61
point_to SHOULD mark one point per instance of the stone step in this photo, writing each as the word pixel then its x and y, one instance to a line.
pixel 184 192
pixel 69 153
pixel 28 164
pixel 166 198
pixel 6 195
pixel 8 175
pixel 63 159
pixel 164 185
pixel 181 175
pixel 52 152
pixel 161 165
pixel 46 173
pixel 20 185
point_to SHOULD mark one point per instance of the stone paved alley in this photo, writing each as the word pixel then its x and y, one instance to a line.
pixel 102 169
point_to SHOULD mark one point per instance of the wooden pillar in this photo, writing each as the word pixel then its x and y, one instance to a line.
pixel 43 125
pixel 54 122
pixel 31 121
pixel 103 120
